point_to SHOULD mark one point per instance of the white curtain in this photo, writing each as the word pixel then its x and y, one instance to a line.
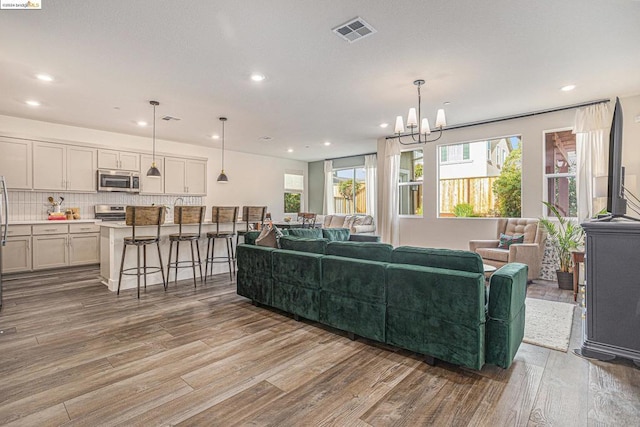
pixel 590 126
pixel 370 168
pixel 389 221
pixel 329 207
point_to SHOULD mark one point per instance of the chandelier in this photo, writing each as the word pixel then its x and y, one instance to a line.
pixel 419 136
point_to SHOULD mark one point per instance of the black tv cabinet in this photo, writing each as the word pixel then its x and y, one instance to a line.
pixel 611 325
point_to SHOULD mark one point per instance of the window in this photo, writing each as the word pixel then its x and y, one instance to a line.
pixel 349 191
pixel 480 178
pixel 560 172
pixel 293 188
pixel 410 182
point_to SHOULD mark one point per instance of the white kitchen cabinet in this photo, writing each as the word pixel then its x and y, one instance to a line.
pixel 121 160
pixel 62 245
pixel 49 162
pixel 16 255
pixel 151 185
pixel 15 163
pixel 61 167
pixel 185 176
pixel 81 168
pixel 84 244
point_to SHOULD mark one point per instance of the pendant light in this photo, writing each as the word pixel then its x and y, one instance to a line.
pixel 222 178
pixel 153 171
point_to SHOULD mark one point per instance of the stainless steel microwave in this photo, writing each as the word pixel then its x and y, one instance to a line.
pixel 113 180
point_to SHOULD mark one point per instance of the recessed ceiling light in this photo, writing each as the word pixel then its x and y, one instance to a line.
pixel 215 136
pixel 290 150
pixel 32 103
pixel 327 143
pixel 384 125
pixel 567 88
pixel 44 77
pixel 141 123
pixel 257 77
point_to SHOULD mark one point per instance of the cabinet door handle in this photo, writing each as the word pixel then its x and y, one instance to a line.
pixel 49 229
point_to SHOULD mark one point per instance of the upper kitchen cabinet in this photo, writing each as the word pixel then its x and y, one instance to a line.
pixel 123 160
pixel 62 167
pixel 185 176
pixel 15 162
pixel 149 184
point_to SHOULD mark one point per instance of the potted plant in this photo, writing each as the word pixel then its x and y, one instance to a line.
pixel 565 236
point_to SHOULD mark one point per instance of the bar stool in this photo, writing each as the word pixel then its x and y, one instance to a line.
pixel 250 215
pixel 141 216
pixel 307 219
pixel 221 215
pixel 185 215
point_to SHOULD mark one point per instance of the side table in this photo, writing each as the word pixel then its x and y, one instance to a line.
pixel 577 257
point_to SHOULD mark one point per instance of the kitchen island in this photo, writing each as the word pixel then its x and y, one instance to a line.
pixel 112 236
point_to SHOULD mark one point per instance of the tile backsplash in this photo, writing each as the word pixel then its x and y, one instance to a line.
pixel 33 205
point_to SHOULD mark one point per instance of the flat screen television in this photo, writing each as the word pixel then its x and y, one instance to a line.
pixel 616 194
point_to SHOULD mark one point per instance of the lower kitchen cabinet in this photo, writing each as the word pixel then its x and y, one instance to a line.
pixel 16 255
pixel 50 251
pixel 84 244
pixel 62 245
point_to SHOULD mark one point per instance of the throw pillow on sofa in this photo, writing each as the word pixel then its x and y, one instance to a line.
pixel 507 240
pixel 269 236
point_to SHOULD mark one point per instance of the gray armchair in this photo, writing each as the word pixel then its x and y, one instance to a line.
pixel 530 252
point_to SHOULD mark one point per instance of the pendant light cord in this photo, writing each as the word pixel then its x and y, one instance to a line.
pixel 223 145
pixel 154 134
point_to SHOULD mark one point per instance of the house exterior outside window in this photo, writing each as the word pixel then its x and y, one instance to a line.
pixel 560 167
pixel 468 172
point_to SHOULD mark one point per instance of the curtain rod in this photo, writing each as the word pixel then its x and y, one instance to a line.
pixel 355 155
pixel 515 116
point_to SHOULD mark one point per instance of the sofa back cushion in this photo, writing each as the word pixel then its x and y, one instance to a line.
pixel 303 244
pixel 361 250
pixel 438 258
pixel 335 221
pixel 310 233
pixel 336 234
pixel 519 226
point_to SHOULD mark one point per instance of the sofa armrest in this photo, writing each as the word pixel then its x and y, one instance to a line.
pixel 359 229
pixel 527 253
pixel 474 244
pixel 506 307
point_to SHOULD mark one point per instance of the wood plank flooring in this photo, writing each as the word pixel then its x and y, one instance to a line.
pixel 73 353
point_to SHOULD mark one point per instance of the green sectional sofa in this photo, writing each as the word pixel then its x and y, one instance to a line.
pixel 431 301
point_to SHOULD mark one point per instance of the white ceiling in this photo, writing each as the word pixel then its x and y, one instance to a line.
pixel 489 59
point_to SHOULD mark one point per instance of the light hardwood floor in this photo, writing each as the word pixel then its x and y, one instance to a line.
pixel 73 353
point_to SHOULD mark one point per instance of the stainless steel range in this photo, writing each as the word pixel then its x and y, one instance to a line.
pixel 110 212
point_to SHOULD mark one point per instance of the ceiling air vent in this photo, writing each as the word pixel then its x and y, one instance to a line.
pixel 354 30
pixel 169 118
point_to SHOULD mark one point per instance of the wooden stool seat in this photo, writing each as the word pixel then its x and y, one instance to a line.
pixel 142 216
pixel 186 215
pixel 221 215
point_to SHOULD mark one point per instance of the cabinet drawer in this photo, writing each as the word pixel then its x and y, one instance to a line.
pixel 84 228
pixel 42 229
pixel 18 230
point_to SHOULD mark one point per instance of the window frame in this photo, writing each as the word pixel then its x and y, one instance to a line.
pixel 293 190
pixel 545 176
pixel 409 184
pixel 486 149
pixel 353 168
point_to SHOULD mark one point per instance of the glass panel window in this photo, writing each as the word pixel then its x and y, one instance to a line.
pixel 293 188
pixel 481 178
pixel 560 166
pixel 349 191
pixel 410 182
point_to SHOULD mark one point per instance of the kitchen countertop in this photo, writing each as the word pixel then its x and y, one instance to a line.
pixel 58 221
pixel 121 224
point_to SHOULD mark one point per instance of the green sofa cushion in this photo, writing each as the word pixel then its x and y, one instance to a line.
pixel 296 282
pixel 437 312
pixel 361 250
pixel 254 277
pixel 364 238
pixel 251 236
pixel 336 234
pixel 438 258
pixel 303 244
pixel 310 233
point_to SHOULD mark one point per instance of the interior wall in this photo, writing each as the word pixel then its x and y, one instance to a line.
pixel 455 233
pixel 253 179
pixel 316 187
